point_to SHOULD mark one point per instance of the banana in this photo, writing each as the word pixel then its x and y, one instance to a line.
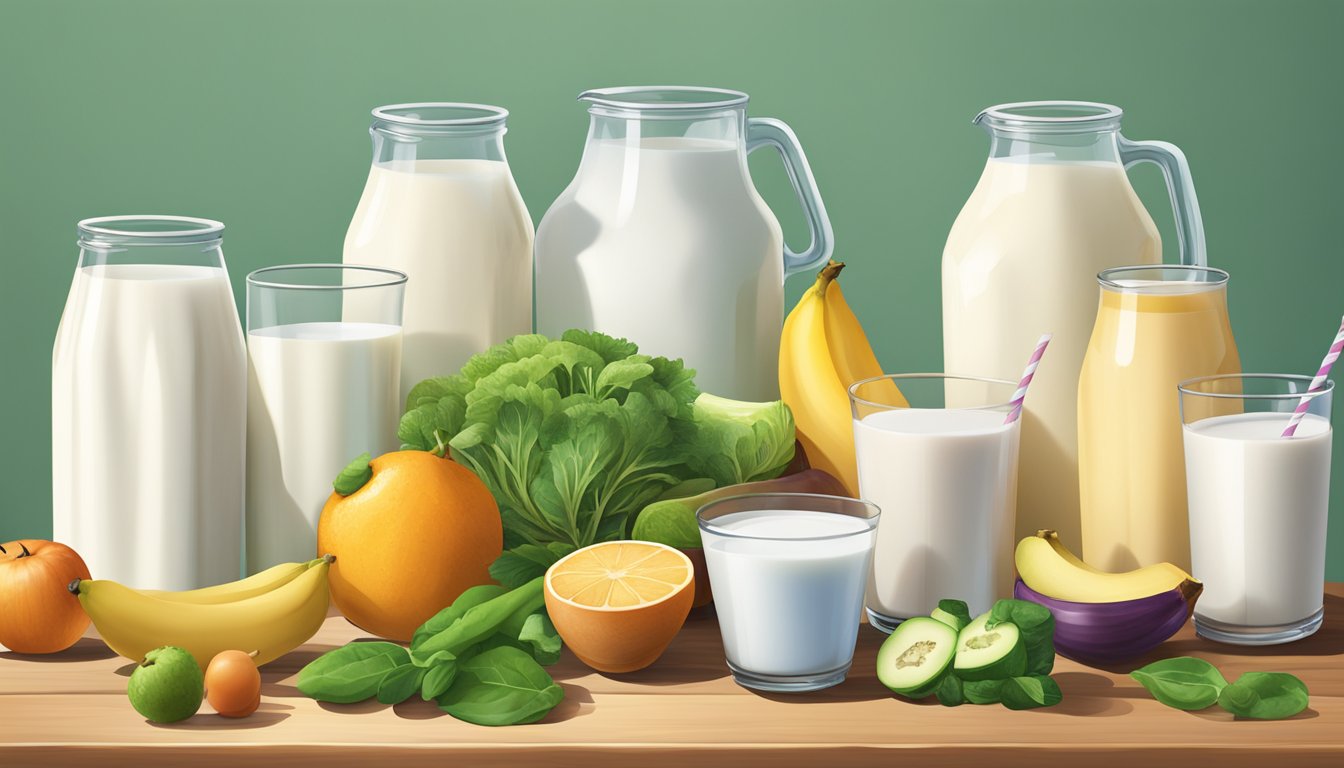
pixel 256 584
pixel 133 623
pixel 1048 567
pixel 822 351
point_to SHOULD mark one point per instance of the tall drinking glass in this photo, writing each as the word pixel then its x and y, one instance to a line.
pixel 787 571
pixel 324 351
pixel 1258 505
pixel 946 480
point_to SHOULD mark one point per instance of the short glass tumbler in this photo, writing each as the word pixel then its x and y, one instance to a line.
pixel 1258 505
pixel 788 572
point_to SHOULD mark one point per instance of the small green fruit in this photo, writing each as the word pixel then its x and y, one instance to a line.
pixel 167 686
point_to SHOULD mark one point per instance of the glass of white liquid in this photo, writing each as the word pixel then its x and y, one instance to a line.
pixel 1258 505
pixel 788 571
pixel 946 480
pixel 324 362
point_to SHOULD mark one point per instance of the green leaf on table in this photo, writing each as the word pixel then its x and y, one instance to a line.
pixel 481 621
pixel 354 476
pixel 1265 696
pixel 949 691
pixel 1037 625
pixel 445 618
pixel 1030 692
pixel 438 678
pixel 400 684
pixel 352 672
pixel 1183 682
pixel 982 691
pixel 501 686
pixel 539 634
pixel 525 562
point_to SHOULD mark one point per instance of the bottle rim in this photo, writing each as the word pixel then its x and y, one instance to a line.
pixel 377 277
pixel 1051 116
pixel 662 101
pixel 450 114
pixel 1163 279
pixel 147 229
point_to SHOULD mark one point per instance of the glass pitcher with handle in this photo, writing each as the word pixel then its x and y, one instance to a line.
pixel 661 238
pixel 1053 208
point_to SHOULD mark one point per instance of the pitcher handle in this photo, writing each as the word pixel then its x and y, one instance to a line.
pixel 1181 187
pixel 767 131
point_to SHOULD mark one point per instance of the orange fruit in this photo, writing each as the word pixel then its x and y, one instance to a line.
pixel 618 604
pixel 233 684
pixel 414 537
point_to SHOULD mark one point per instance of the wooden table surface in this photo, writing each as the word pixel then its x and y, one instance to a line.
pixel 71 709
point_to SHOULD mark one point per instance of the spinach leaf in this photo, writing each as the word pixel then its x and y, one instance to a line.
pixel 1030 692
pixel 1265 696
pixel 399 684
pixel 481 621
pixel 1183 682
pixel 438 678
pixel 525 562
pixel 445 618
pixel 1037 625
pixel 949 691
pixel 982 691
pixel 501 686
pixel 352 672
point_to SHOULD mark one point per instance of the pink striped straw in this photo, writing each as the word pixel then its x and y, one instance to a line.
pixel 1317 382
pixel 1021 394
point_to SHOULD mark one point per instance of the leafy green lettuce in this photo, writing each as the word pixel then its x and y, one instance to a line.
pixel 572 436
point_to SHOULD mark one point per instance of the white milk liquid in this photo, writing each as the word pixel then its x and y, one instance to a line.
pixel 319 394
pixel 945 482
pixel 148 389
pixel 460 232
pixel 1021 260
pixel 666 242
pixel 789 607
pixel 1258 508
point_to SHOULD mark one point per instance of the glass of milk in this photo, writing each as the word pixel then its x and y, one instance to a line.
pixel 788 571
pixel 1258 505
pixel 324 363
pixel 946 480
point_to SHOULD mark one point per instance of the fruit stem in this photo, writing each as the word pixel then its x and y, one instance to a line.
pixel 24 547
pixel 2 550
pixel 74 587
pixel 828 274
pixel 330 558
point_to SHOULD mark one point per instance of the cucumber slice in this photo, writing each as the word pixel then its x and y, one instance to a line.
pixel 913 660
pixel 989 654
pixel 954 613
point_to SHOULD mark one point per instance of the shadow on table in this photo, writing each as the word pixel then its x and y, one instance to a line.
pixel 1091 695
pixel 267 714
pixel 695 655
pixel 577 703
pixel 84 649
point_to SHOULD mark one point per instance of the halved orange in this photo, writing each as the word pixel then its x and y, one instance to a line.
pixel 618 604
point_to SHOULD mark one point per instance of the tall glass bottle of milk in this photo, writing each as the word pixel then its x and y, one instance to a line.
pixel 440 205
pixel 1052 209
pixel 149 382
pixel 661 238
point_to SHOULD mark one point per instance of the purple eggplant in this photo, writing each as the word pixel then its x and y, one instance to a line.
pixel 1105 633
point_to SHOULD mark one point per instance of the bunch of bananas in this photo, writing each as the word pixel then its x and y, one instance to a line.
pixel 822 352
pixel 270 613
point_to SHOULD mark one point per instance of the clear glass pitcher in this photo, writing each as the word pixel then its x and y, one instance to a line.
pixel 440 205
pixel 1156 327
pixel 1053 207
pixel 148 405
pixel 661 237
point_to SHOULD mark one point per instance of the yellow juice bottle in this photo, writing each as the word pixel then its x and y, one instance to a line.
pixel 1156 326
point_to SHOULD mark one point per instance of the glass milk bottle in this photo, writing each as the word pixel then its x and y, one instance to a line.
pixel 148 405
pixel 324 360
pixel 1156 327
pixel 661 238
pixel 441 206
pixel 1053 208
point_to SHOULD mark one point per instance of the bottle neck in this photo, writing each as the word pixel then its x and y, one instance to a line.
pixel 401 145
pixel 727 126
pixel 1084 146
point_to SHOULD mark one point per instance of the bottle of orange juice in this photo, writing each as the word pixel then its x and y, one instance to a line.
pixel 1156 326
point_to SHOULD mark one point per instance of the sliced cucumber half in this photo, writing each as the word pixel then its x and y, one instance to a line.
pixel 985 653
pixel 913 660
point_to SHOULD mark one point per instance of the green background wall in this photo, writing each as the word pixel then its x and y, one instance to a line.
pixel 255 112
